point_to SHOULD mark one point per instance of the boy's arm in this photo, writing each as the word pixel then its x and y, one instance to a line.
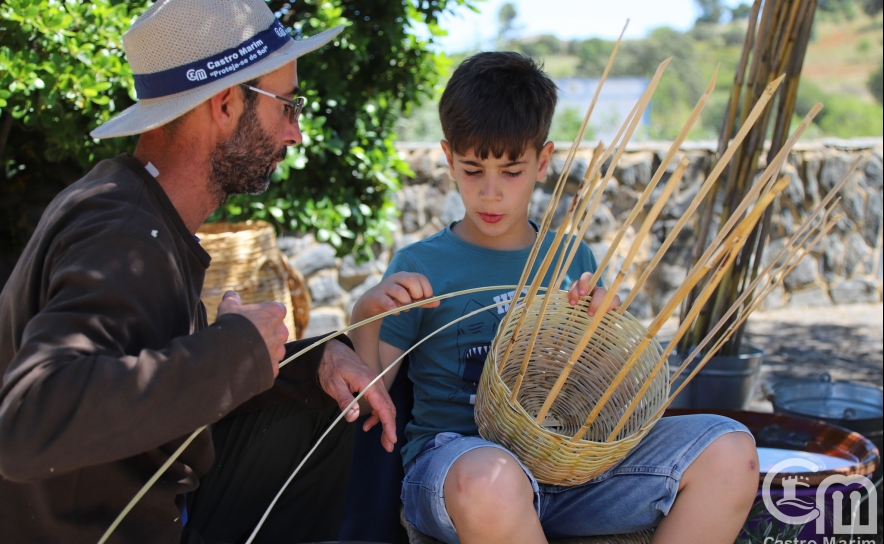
pixel 392 292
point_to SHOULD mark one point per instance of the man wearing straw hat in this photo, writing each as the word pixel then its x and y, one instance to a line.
pixel 107 357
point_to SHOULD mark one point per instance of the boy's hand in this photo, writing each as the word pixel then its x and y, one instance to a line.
pixel 581 287
pixel 394 291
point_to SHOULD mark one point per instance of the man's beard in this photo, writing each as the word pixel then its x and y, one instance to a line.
pixel 242 164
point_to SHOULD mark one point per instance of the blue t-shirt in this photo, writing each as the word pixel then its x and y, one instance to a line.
pixel 446 368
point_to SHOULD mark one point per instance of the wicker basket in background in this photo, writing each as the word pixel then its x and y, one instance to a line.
pixel 246 259
pixel 550 450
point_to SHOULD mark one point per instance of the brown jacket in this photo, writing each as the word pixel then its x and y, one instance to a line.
pixel 108 365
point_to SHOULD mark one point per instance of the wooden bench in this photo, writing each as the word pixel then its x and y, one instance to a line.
pixel 643 537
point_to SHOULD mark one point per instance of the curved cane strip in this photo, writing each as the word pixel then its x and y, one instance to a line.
pixel 356 399
pixel 183 446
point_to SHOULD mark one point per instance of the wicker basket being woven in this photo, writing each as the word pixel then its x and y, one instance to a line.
pixel 549 450
pixel 246 259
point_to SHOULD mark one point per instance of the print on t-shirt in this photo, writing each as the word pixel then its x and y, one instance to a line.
pixel 472 348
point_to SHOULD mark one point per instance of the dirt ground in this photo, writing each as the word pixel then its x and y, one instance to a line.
pixel 845 341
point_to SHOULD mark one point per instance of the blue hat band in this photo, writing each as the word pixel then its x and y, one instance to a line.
pixel 202 72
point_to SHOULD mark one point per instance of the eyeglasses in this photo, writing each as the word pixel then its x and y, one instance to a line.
pixel 293 107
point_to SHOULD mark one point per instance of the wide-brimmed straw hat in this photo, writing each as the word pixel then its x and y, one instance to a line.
pixel 182 52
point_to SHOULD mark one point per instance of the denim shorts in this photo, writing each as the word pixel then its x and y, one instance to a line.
pixel 632 496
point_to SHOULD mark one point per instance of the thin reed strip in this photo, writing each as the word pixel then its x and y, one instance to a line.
pixel 632 123
pixel 771 271
pixel 804 230
pixel 538 279
pixel 732 247
pixel 744 315
pixel 700 270
pixel 544 266
pixel 355 400
pixel 711 179
pixel 627 262
pixel 694 277
pixel 560 184
pixel 148 485
pixel 144 489
pixel 547 450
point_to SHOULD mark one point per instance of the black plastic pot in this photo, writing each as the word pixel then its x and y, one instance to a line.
pixel 724 382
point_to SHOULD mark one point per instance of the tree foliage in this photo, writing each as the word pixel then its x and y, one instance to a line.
pixel 63 72
pixel 710 11
pixel 876 83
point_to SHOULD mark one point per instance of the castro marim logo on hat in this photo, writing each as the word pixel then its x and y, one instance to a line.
pixel 196 75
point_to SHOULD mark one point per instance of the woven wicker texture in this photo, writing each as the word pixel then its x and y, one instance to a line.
pixel 245 259
pixel 548 449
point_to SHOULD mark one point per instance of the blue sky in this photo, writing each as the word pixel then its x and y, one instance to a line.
pixel 568 19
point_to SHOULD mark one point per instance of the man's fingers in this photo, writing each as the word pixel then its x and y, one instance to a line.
pixel 231 294
pixel 370 422
pixel 383 409
pixel 352 413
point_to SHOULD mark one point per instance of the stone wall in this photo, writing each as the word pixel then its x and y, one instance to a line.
pixel 845 268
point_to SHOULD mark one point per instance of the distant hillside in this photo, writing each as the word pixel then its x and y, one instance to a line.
pixel 844 53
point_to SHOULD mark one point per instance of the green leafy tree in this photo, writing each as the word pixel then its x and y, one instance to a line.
pixel 876 83
pixel 742 11
pixel 63 72
pixel 593 54
pixel 710 11
pixel 541 47
pixel 873 7
pixel 506 17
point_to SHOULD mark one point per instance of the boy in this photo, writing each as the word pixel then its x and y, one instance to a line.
pixel 496 112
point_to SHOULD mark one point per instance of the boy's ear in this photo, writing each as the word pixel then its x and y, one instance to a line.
pixel 449 157
pixel 543 160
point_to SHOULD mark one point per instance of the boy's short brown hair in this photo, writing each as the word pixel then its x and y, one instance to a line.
pixel 497 103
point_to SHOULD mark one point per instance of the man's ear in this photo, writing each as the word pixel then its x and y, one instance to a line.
pixel 449 156
pixel 225 109
pixel 543 159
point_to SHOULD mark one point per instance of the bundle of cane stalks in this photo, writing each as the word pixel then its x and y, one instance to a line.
pixel 571 394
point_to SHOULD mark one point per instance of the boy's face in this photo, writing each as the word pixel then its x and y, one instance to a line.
pixel 496 193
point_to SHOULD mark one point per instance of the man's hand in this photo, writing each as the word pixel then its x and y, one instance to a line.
pixel 579 289
pixel 267 317
pixel 341 374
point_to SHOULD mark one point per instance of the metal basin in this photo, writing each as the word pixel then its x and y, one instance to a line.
pixel 856 406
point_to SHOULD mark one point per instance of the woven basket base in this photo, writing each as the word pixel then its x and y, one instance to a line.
pixel 643 537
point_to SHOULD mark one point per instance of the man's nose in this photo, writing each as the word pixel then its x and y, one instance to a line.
pixel 293 134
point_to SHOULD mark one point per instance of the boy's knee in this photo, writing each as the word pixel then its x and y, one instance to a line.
pixel 737 452
pixel 483 480
pixel 730 462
